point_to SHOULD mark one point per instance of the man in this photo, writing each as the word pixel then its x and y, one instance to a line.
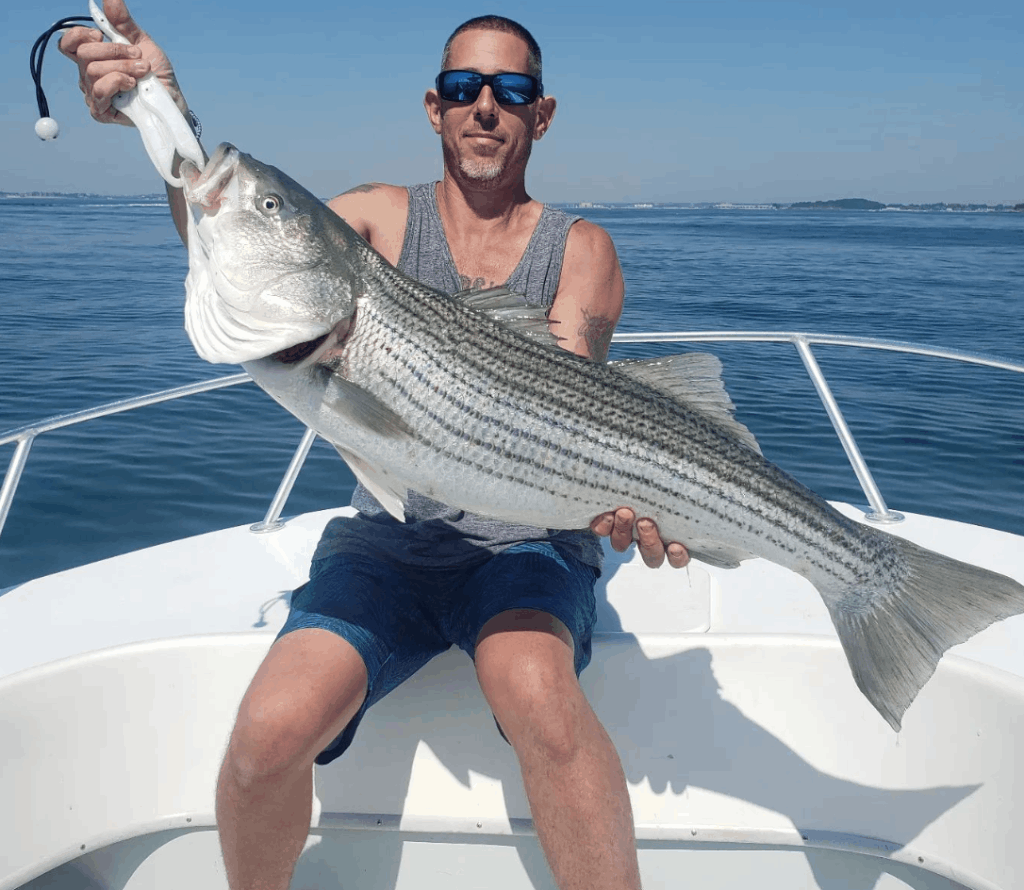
pixel 384 597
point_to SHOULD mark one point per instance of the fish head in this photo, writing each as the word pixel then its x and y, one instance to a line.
pixel 267 266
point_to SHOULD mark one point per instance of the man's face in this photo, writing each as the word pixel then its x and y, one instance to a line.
pixel 488 143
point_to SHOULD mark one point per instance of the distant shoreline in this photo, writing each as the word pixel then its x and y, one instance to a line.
pixel 846 204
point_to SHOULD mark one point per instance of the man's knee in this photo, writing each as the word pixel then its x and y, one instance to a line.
pixel 527 674
pixel 267 743
pixel 303 695
pixel 544 717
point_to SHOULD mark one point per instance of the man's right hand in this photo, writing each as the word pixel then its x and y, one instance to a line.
pixel 618 525
pixel 106 69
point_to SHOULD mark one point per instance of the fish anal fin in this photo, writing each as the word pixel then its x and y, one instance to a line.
pixel 720 556
pixel 694 378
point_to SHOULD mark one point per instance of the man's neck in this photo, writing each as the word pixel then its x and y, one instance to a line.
pixel 461 204
pixel 487 229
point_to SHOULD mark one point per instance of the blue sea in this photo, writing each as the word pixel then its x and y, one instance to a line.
pixel 91 293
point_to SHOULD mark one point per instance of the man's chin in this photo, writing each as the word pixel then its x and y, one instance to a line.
pixel 479 171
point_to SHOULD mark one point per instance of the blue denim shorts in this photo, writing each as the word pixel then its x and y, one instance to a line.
pixel 399 617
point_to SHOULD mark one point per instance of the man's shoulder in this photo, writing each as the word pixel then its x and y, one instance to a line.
pixel 377 211
pixel 588 239
pixel 379 196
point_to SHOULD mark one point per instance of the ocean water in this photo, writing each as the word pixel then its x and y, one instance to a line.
pixel 91 294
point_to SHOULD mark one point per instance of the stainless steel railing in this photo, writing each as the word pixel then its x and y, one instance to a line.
pixel 24 436
pixel 879 512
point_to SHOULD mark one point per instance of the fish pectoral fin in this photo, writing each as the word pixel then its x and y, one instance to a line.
pixel 388 492
pixel 365 409
pixel 694 378
pixel 511 310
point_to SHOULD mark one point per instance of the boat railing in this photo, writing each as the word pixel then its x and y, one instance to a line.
pixel 24 436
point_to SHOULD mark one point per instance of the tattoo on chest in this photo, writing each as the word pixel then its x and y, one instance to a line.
pixel 366 187
pixel 596 331
pixel 479 283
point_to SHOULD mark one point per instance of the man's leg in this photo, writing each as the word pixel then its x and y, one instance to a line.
pixel 311 684
pixel 571 770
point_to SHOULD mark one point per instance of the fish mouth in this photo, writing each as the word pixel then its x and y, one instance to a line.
pixel 316 350
pixel 205 189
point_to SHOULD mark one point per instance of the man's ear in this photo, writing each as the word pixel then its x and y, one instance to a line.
pixel 432 103
pixel 545 114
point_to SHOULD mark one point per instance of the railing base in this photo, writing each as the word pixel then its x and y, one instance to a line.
pixel 889 517
pixel 262 528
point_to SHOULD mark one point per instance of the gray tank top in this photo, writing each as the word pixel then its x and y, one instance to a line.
pixel 435 534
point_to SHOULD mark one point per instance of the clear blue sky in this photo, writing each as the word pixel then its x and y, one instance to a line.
pixel 692 101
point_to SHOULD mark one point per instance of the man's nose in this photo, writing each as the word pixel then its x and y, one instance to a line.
pixel 486 105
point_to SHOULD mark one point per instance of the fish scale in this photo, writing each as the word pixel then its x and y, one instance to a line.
pixel 591 443
pixel 456 398
pixel 627 462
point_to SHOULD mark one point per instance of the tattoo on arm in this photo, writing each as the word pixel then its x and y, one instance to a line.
pixel 596 331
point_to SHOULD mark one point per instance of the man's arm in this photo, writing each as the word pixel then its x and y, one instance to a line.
pixel 378 213
pixel 106 69
pixel 586 309
pixel 588 302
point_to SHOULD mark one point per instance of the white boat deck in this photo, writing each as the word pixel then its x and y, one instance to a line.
pixel 725 691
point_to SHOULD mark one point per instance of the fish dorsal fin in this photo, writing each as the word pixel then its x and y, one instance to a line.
pixel 388 492
pixel 696 379
pixel 511 310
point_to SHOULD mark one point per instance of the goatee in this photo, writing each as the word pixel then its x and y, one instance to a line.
pixel 481 171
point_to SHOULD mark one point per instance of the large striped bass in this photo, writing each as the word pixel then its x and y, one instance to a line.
pixel 468 399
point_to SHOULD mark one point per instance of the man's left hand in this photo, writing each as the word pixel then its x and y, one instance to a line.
pixel 618 526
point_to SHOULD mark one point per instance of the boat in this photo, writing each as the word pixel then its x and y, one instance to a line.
pixel 752 758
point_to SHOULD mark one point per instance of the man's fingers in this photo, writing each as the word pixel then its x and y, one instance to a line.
pixel 678 555
pixel 75 38
pixel 98 99
pixel 93 52
pixel 95 71
pixel 118 15
pixel 603 524
pixel 104 89
pixel 622 529
pixel 618 527
pixel 651 548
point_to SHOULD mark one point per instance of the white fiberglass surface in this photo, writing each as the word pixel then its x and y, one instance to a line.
pixel 725 740
pixel 405 861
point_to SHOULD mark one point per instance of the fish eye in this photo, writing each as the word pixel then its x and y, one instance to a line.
pixel 268 204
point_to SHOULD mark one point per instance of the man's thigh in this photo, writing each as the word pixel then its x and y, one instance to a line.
pixel 528 629
pixel 307 689
pixel 531 578
pixel 377 608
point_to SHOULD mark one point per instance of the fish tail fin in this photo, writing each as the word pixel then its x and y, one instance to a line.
pixel 894 638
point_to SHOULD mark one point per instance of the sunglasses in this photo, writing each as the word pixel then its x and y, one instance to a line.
pixel 508 89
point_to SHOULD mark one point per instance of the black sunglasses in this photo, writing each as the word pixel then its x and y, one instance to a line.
pixel 508 89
